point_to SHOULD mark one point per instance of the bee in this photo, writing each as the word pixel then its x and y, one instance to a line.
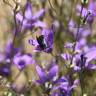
pixel 41 42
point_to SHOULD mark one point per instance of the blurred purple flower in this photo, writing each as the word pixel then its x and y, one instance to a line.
pixel 66 56
pixel 83 56
pixel 2 57
pixel 88 13
pixel 28 21
pixel 84 60
pixel 84 31
pixel 44 42
pixel 46 76
pixel 22 60
pixel 63 87
pixel 90 54
pixel 9 48
pixel 4 69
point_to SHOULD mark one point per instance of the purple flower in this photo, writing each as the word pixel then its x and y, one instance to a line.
pixel 84 31
pixel 83 60
pixel 46 76
pixel 83 56
pixel 89 13
pixel 2 57
pixel 63 87
pixel 4 70
pixel 44 42
pixel 29 20
pixel 22 60
pixel 9 48
pixel 90 54
pixel 66 56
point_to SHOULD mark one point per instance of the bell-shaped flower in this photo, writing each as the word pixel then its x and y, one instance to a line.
pixel 44 42
pixel 84 60
pixel 22 60
pixel 46 76
pixel 28 20
pixel 63 87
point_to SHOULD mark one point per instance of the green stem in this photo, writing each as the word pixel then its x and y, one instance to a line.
pixel 74 47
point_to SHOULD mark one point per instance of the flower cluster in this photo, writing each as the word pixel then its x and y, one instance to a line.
pixel 69 65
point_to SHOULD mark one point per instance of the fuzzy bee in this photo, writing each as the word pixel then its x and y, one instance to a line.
pixel 41 42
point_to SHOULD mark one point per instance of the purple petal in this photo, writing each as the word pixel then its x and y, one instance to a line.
pixel 38 14
pixel 26 24
pixel 65 56
pixel 77 68
pixel 91 66
pixel 2 57
pixel 40 81
pixel 8 49
pixel 91 5
pixel 19 17
pixel 4 70
pixel 28 11
pixel 61 80
pixel 37 49
pixel 76 82
pixel 41 74
pixel 48 50
pixel 33 42
pixel 84 12
pixel 48 35
pixel 90 55
pixel 22 60
pixel 68 45
pixel 39 24
pixel 52 72
pixel 64 85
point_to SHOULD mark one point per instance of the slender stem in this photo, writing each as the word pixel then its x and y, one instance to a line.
pixel 13 43
pixel 80 74
pixel 74 47
pixel 77 34
pixel 81 82
pixel 15 33
pixel 6 2
pixel 17 76
pixel 52 7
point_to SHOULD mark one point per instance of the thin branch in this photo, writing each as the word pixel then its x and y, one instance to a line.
pixel 52 7
pixel 6 2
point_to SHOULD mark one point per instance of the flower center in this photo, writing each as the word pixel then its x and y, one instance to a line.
pixel 21 63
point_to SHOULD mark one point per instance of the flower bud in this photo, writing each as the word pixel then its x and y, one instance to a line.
pixel 84 2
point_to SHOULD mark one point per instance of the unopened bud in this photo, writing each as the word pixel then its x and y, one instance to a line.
pixel 84 2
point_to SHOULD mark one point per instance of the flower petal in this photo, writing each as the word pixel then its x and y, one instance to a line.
pixel 19 17
pixel 65 56
pixel 41 74
pixel 52 72
pixel 90 55
pixel 33 42
pixel 38 14
pixel 39 24
pixel 28 11
pixel 91 5
pixel 91 66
